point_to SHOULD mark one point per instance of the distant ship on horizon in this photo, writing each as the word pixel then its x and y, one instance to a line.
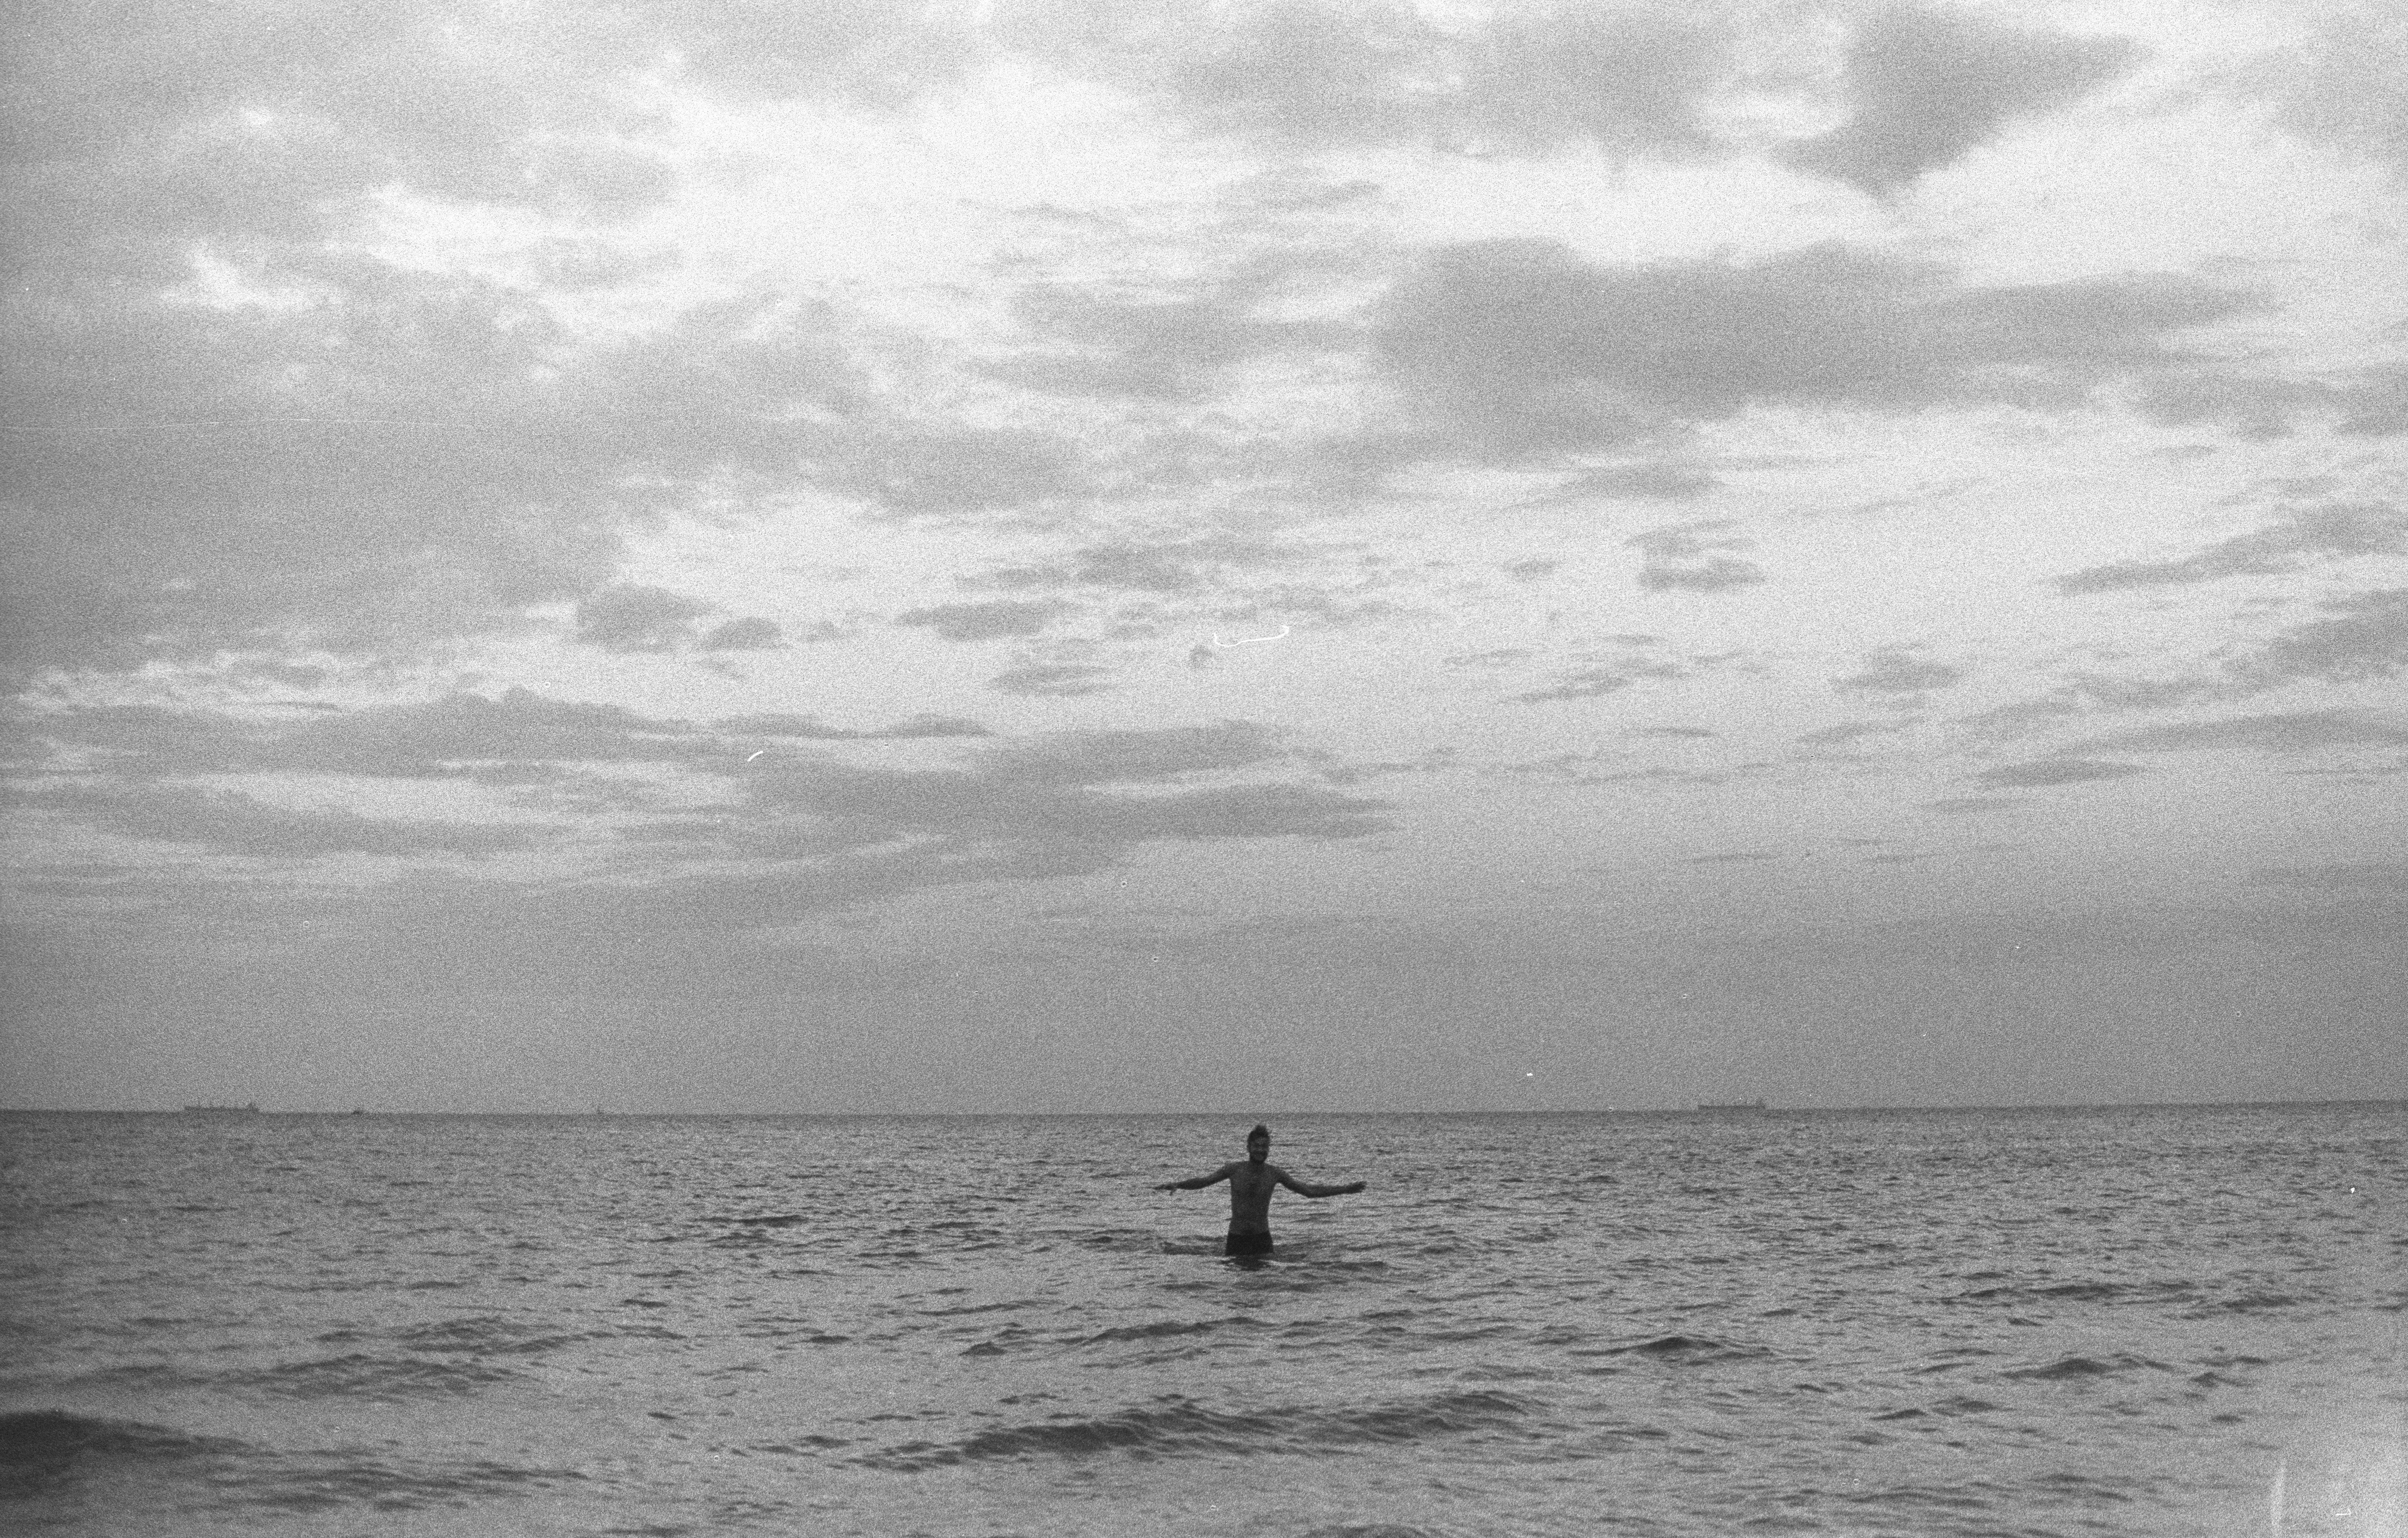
pixel 250 1110
pixel 1730 1105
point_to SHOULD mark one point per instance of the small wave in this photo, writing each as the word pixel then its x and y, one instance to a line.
pixel 2250 1302
pixel 357 1373
pixel 320 1483
pixel 2083 1292
pixel 39 1447
pixel 2089 1486
pixel 1964 1404
pixel 2085 1367
pixel 1686 1350
pixel 474 1332
pixel 1974 1495
pixel 799 1447
pixel 42 1443
pixel 1175 1426
pixel 981 1308
pixel 1161 1329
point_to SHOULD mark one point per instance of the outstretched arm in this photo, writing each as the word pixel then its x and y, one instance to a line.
pixel 1198 1183
pixel 1305 1187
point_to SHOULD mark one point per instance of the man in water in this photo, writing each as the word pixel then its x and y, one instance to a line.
pixel 1250 1193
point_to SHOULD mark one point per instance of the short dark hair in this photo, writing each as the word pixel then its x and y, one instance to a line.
pixel 1259 1131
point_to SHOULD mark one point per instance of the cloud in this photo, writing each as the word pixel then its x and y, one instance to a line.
pixel 1627 79
pixel 1121 757
pixel 867 53
pixel 429 740
pixel 2348 876
pixel 2285 732
pixel 1502 656
pixel 1052 678
pixel 1583 684
pixel 946 471
pixel 986 621
pixel 1047 806
pixel 634 618
pixel 2367 638
pixel 1848 731
pixel 231 428
pixel 1518 347
pixel 405 459
pixel 744 635
pixel 1719 574
pixel 1896 670
pixel 1928 86
pixel 1671 558
pixel 1291 71
pixel 1163 565
pixel 1653 481
pixel 1969 806
pixel 808 834
pixel 1589 683
pixel 2335 532
pixel 2059 771
pixel 231 823
pixel 2348 86
pixel 813 728
pixel 1148 348
pixel 2360 403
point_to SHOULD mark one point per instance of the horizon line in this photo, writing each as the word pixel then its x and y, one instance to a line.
pixel 1702 1108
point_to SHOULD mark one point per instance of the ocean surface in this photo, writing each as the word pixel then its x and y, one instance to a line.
pixel 2178 1320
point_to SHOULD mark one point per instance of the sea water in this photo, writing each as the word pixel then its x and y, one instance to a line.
pixel 2177 1321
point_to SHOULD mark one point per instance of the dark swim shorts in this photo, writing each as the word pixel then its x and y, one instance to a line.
pixel 1247 1244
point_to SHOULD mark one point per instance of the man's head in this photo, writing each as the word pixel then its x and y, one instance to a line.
pixel 1259 1143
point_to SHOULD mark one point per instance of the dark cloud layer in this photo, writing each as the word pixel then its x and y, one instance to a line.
pixel 1057 679
pixel 986 621
pixel 431 739
pixel 2372 876
pixel 2285 732
pixel 1519 348
pixel 1149 347
pixel 2347 84
pixel 1927 85
pixel 1626 78
pixel 363 457
pixel 2291 541
pixel 1922 85
pixel 1898 670
pixel 2367 637
pixel 841 831
pixel 633 618
pixel 1685 556
pixel 811 726
pixel 2059 771
pixel 232 823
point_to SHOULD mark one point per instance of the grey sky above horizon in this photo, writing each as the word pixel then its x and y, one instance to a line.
pixel 1048 556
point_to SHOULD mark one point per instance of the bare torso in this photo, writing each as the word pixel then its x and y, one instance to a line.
pixel 1250 1195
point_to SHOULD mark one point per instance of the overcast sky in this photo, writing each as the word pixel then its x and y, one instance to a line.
pixel 1041 556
